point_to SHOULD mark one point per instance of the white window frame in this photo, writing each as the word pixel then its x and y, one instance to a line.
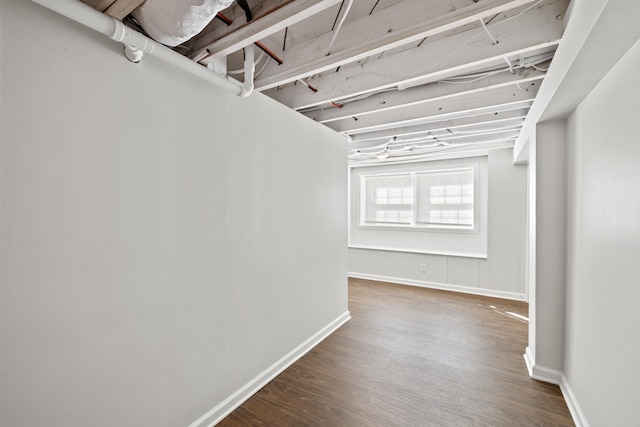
pixel 414 226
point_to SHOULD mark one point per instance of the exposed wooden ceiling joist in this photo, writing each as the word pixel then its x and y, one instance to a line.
pixel 264 26
pixel 428 93
pixel 437 152
pixel 459 72
pixel 217 30
pixel 121 8
pixel 417 113
pixel 407 22
pixel 473 108
pixel 117 9
pixel 434 61
pixel 479 121
pixel 99 5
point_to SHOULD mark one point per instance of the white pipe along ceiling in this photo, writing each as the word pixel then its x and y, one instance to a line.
pixel 136 45
pixel 403 80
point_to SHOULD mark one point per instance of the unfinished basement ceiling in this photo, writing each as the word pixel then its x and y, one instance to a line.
pixel 403 79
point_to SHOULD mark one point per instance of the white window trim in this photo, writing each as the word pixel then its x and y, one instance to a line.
pixel 447 228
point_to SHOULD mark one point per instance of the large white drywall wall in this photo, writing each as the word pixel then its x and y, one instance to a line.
pixel 501 273
pixel 603 344
pixel 163 241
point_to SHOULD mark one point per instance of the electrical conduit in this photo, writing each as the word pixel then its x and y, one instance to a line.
pixel 345 12
pixel 249 70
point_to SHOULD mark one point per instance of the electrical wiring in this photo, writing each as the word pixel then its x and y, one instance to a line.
pixel 377 147
pixel 452 80
pixel 490 26
pixel 346 100
pixel 391 145
pixel 478 34
pixel 421 156
pixel 436 149
pixel 479 76
pixel 538 68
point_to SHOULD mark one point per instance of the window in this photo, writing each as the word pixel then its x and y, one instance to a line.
pixel 435 199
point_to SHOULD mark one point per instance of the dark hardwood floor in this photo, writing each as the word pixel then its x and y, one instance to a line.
pixel 412 357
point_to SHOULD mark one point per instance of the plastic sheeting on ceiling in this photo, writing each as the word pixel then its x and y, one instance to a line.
pixel 172 22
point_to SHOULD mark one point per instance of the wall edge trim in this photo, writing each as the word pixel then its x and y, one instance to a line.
pixel 442 286
pixel 224 408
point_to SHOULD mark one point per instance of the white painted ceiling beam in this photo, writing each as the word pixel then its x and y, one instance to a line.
pixel 457 133
pixel 264 26
pixel 405 146
pixel 421 113
pixel 483 121
pixel 537 30
pixel 598 34
pixel 217 30
pixel 508 135
pixel 493 109
pixel 407 22
pixel 427 93
pixel 453 151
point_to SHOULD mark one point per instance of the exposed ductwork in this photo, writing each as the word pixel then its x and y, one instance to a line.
pixel 173 22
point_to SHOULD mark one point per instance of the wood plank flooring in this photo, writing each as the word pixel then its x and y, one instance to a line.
pixel 412 357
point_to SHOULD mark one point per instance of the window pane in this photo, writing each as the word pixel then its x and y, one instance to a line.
pixel 467 193
pixel 445 197
pixel 437 195
pixel 465 217
pixel 453 194
pixel 382 195
pixel 387 199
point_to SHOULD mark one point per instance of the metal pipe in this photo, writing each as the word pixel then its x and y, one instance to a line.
pixel 269 52
pixel 205 54
pixel 307 84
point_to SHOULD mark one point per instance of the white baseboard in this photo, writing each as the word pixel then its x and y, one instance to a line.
pixel 541 373
pixel 443 286
pixel 552 376
pixel 227 406
pixel 572 403
pixel 528 360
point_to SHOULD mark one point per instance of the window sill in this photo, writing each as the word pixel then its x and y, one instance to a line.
pixel 416 251
pixel 413 228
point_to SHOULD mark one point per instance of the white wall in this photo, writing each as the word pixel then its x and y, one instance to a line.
pixel 603 344
pixel 547 204
pixel 501 274
pixel 163 242
pixel 585 248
